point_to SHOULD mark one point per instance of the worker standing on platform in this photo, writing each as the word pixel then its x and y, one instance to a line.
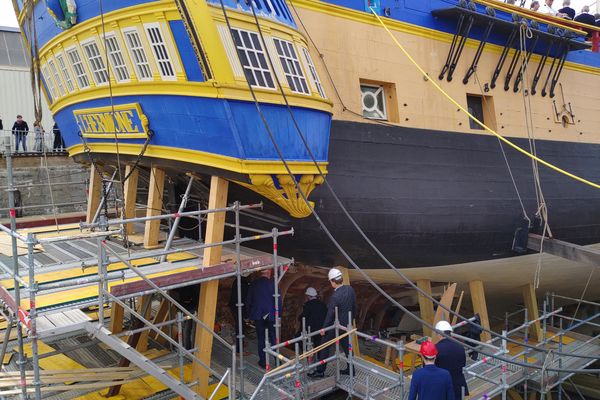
pixel 344 300
pixel 430 382
pixel 261 310
pixel 314 313
pixel 452 358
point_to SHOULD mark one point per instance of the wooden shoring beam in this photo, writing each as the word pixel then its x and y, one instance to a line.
pixel 94 194
pixel 130 195
pixel 209 291
pixel 145 305
pixel 530 301
pixel 117 314
pixel 154 207
pixel 425 304
pixel 480 306
pixel 569 251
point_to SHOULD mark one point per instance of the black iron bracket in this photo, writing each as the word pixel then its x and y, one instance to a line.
pixel 479 51
pixel 519 76
pixel 456 47
pixel 564 49
pixel 558 70
pixel 502 59
pixel 540 68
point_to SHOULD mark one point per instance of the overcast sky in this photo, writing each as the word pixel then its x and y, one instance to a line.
pixel 7 15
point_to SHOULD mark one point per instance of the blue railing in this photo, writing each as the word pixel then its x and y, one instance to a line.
pixel 273 9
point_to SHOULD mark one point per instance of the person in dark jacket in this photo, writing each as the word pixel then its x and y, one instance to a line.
pixel 585 17
pixel 20 129
pixel 344 299
pixel 314 313
pixel 233 299
pixel 451 357
pixel 1 127
pixel 430 382
pixel 261 310
pixel 59 143
pixel 567 10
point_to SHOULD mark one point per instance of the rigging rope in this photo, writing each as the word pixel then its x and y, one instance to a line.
pixel 484 126
pixel 347 256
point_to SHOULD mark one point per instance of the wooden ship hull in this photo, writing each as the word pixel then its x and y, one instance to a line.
pixel 427 185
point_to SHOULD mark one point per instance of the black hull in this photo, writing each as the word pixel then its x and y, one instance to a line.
pixel 429 198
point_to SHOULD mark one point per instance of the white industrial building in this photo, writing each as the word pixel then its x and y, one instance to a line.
pixel 16 95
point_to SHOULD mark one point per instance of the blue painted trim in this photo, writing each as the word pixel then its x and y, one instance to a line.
pixel 186 52
pixel 218 126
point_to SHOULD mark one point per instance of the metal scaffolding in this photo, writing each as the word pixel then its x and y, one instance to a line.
pixel 501 364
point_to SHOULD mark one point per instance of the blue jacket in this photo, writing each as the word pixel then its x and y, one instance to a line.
pixel 260 301
pixel 344 299
pixel 431 383
pixel 451 357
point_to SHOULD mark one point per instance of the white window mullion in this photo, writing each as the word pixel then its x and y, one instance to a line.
pixel 65 72
pixel 291 66
pixel 80 73
pixel 313 72
pixel 253 59
pixel 54 71
pixel 138 54
pixel 159 47
pixel 49 82
pixel 96 61
pixel 116 59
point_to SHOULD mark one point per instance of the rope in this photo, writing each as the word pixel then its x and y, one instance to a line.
pixel 355 266
pixel 484 126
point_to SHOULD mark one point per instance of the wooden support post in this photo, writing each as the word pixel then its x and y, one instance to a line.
pixel 425 304
pixel 161 316
pixel 130 195
pixel 480 306
pixel 116 318
pixel 145 304
pixel 94 194
pixel 530 301
pixel 514 395
pixel 207 303
pixel 155 195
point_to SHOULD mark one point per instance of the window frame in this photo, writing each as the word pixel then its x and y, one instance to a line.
pixel 264 71
pixel 75 49
pixel 384 111
pixel 71 85
pixel 291 63
pixel 49 81
pixel 117 69
pixel 141 67
pixel 90 61
pixel 316 80
pixel 159 59
pixel 61 89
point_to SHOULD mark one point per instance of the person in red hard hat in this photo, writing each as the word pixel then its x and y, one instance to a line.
pixel 430 382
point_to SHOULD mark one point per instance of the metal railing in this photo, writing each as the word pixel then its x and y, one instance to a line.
pixel 30 142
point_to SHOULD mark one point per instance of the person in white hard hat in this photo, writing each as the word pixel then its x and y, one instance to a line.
pixel 313 312
pixel 451 357
pixel 344 300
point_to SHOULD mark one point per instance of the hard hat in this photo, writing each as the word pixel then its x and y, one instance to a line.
pixel 428 349
pixel 311 291
pixel 443 326
pixel 334 273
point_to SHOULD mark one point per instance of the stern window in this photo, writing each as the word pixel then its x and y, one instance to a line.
pixel 313 73
pixel 49 81
pixel 138 55
pixel 96 63
pixel 160 51
pixel 80 73
pixel 116 59
pixel 61 87
pixel 252 58
pixel 291 66
pixel 65 72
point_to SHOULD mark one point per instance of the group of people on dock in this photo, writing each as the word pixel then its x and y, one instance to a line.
pixel 441 377
pixel 20 130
